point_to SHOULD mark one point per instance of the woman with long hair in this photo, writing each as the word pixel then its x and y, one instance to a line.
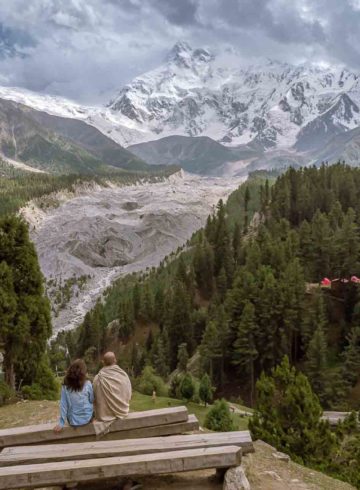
pixel 77 397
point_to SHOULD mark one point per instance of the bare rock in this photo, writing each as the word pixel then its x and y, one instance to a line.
pixel 272 475
pixel 281 456
pixel 235 479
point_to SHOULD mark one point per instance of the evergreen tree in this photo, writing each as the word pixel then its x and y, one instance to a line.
pixel 183 357
pixel 203 264
pixel 149 341
pixel 316 363
pixel 7 318
pixel 219 417
pixel 210 348
pixel 221 284
pixel 187 387
pixel 179 323
pixel 236 242
pixel 246 208
pixel 28 327
pixel 351 366
pixel 205 390
pixel 244 348
pixel 288 416
pixel 161 363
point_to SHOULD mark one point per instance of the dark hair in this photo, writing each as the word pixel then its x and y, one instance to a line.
pixel 75 376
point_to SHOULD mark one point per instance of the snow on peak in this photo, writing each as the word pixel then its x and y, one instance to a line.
pixel 197 92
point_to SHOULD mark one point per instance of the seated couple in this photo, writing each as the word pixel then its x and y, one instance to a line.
pixel 106 400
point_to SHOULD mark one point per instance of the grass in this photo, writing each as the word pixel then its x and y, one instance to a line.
pixel 39 412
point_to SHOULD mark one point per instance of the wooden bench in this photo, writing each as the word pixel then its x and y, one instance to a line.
pixel 68 472
pixel 150 423
pixel 107 449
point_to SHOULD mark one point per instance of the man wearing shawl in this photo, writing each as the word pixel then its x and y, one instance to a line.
pixel 112 390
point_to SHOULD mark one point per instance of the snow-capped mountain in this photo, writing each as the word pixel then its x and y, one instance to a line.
pixel 275 104
pixel 272 106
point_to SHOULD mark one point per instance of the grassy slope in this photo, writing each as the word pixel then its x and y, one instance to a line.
pixel 36 412
pixel 263 470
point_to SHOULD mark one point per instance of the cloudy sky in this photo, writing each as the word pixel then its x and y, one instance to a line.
pixel 84 49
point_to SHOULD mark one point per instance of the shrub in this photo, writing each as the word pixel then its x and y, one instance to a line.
pixel 149 382
pixel 205 390
pixel 5 393
pixel 45 386
pixel 187 387
pixel 219 417
pixel 174 389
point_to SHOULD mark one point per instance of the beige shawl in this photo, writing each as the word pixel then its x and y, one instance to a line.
pixel 112 390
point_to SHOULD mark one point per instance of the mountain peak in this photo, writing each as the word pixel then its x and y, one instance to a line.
pixel 179 50
pixel 182 54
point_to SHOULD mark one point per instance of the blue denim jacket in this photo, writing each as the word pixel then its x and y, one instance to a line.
pixel 76 407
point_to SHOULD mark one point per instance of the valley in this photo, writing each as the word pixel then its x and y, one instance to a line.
pixel 109 232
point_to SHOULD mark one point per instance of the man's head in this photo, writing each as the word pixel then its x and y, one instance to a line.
pixel 109 359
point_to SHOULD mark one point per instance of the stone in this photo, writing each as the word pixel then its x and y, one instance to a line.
pixel 281 456
pixel 273 475
pixel 235 479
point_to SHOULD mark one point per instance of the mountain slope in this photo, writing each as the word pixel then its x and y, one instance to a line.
pixel 271 106
pixel 197 93
pixel 200 155
pixel 58 145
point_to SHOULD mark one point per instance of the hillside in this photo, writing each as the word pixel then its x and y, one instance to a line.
pixel 237 300
pixel 58 145
pixel 200 155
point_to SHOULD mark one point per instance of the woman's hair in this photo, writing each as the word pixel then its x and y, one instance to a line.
pixel 75 376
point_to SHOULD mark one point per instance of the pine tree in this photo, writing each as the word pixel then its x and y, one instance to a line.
pixel 351 365
pixel 244 348
pixel 221 284
pixel 203 264
pixel 161 363
pixel 7 318
pixel 288 416
pixel 219 417
pixel 205 390
pixel 179 325
pixel 247 198
pixel 210 347
pixel 183 357
pixel 236 242
pixel 316 363
pixel 136 296
pixel 26 340
pixel 187 387
pixel 149 341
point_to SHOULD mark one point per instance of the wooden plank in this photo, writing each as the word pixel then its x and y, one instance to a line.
pixel 191 425
pixel 35 476
pixel 38 434
pixel 107 449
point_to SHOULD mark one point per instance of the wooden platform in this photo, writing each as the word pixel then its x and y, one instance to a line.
pixel 149 423
pixel 106 449
pixel 41 475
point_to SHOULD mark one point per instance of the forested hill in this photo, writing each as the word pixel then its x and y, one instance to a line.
pixel 18 186
pixel 243 295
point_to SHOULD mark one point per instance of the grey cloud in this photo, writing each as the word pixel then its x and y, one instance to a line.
pixel 177 12
pixel 83 48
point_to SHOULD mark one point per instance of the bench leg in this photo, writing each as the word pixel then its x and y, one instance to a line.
pixel 220 474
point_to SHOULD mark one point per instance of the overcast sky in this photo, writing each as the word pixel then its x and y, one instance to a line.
pixel 83 49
